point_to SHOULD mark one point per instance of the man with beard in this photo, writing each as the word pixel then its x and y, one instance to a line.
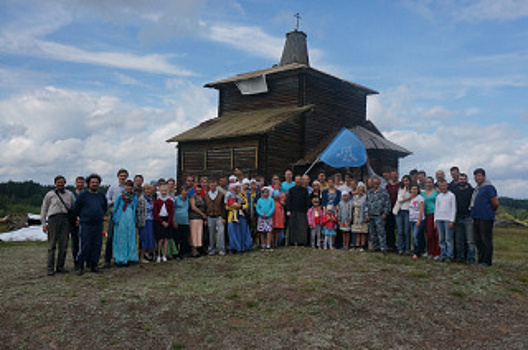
pixel 90 207
pixel 297 204
pixel 464 241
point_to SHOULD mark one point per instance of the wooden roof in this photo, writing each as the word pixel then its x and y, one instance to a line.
pixel 286 68
pixel 371 140
pixel 237 124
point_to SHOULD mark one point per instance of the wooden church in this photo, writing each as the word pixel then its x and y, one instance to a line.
pixel 281 118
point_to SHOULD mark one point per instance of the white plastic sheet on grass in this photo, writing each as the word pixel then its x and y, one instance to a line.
pixel 31 233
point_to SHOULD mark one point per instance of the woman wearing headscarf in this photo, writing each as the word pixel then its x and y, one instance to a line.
pixel 124 244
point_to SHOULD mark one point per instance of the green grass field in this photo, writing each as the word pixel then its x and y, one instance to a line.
pixel 293 298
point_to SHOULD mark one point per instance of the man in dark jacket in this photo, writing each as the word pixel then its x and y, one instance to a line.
pixel 297 203
pixel 90 207
pixel 464 240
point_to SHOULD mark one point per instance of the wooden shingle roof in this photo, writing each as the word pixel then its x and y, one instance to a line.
pixel 286 68
pixel 237 124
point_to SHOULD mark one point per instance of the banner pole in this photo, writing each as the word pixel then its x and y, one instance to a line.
pixel 311 166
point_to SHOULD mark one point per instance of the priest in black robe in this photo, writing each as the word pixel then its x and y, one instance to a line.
pixel 297 204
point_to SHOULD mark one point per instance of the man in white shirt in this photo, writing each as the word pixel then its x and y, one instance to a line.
pixel 55 222
pixel 111 195
pixel 445 215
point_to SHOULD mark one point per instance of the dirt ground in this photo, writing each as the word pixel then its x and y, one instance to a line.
pixel 293 298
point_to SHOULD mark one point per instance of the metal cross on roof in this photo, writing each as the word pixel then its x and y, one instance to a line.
pixel 298 18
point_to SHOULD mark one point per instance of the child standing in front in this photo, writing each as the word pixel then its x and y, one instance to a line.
pixel 163 218
pixel 278 215
pixel 265 208
pixel 329 227
pixel 315 219
pixel 344 216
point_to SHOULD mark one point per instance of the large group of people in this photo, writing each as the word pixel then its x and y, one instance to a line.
pixel 413 215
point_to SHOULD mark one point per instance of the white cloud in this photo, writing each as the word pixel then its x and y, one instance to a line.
pixel 503 10
pixel 497 148
pixel 26 35
pixel 471 10
pixel 440 138
pixel 52 130
pixel 21 44
pixel 252 40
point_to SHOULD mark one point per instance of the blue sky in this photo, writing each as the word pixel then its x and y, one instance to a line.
pixel 92 86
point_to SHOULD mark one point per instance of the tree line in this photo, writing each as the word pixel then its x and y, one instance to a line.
pixel 23 197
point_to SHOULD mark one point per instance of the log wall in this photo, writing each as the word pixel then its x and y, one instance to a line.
pixel 282 92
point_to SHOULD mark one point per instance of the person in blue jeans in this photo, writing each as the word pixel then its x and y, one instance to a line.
pixel 464 241
pixel 416 219
pixel 445 214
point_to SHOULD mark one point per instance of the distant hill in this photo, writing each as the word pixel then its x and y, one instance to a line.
pixel 513 208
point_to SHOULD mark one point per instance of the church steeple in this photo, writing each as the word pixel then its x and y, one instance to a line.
pixel 295 49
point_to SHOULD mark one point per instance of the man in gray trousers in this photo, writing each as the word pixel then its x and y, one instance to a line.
pixel 55 222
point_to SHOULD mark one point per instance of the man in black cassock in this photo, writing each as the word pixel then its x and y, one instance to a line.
pixel 297 204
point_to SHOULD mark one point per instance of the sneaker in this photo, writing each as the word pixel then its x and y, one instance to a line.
pixel 164 259
pixel 415 257
pixel 62 270
pixel 425 255
pixel 144 261
pixel 51 273
pixel 222 253
pixel 158 259
pixel 436 258
pixel 80 272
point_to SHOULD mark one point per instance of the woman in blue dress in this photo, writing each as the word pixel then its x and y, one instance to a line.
pixel 237 230
pixel 124 243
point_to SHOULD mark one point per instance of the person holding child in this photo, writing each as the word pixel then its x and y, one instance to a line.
pixel 237 227
pixel 265 208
